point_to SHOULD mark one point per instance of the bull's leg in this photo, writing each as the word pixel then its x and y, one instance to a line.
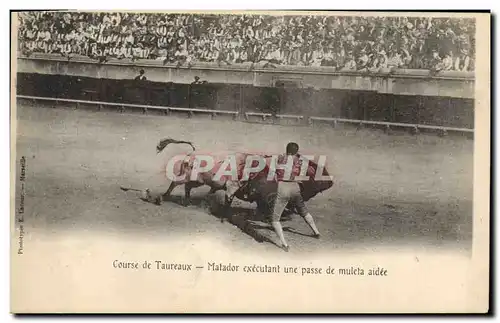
pixel 262 208
pixel 166 195
pixel 227 207
pixel 231 188
pixel 186 201
pixel 206 202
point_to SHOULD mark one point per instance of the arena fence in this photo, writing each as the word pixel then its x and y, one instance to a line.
pixel 414 128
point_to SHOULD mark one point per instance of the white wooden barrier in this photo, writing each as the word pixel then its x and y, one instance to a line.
pixel 415 127
pixel 122 106
pixel 264 116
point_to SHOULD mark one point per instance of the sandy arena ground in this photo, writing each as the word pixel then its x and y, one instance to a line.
pixel 390 190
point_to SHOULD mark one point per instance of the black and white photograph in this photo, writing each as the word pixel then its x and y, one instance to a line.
pixel 276 135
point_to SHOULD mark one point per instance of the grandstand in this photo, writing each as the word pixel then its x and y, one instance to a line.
pixel 342 42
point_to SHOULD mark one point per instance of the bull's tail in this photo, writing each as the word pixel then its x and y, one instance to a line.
pixel 167 141
pixel 130 189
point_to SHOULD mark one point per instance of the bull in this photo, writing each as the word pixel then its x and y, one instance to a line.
pixel 257 188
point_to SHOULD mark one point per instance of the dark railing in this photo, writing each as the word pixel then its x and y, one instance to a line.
pixel 247 99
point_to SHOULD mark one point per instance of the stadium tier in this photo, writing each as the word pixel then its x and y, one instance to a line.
pixel 342 42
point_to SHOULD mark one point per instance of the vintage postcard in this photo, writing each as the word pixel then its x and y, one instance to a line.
pixel 250 162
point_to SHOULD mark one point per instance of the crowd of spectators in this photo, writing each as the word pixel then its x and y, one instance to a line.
pixel 343 42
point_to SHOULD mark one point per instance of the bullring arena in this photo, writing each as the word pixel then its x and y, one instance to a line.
pixel 390 190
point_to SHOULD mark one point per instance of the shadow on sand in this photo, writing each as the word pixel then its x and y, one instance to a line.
pixel 248 220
